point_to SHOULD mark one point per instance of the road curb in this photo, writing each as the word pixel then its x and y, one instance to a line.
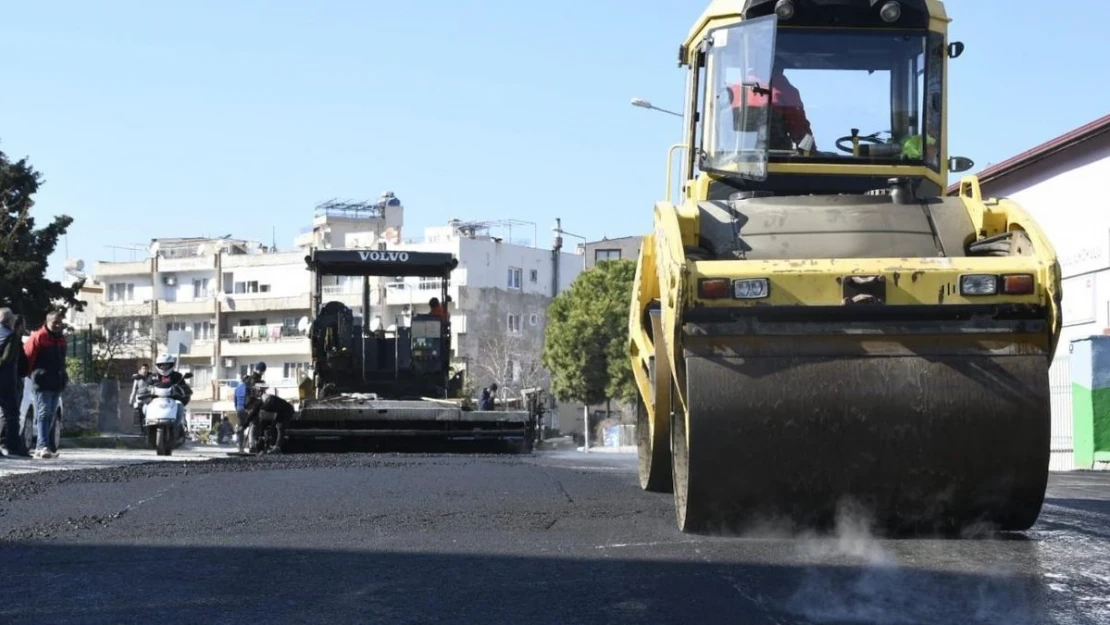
pixel 122 441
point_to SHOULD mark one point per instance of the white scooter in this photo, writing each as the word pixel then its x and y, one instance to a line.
pixel 164 417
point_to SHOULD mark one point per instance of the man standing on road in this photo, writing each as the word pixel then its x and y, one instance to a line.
pixel 46 360
pixel 11 383
pixel 141 381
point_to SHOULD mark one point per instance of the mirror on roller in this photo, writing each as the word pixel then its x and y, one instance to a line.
pixel 958 164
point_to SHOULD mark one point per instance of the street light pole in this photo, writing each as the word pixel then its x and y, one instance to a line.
pixel 558 229
pixel 644 104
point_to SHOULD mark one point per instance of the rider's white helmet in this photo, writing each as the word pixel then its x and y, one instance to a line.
pixel 165 364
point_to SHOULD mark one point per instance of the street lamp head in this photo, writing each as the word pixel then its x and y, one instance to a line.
pixel 644 104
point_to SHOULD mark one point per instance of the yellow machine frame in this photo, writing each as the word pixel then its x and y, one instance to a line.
pixel 667 278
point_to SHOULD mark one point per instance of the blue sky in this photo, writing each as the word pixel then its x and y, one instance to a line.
pixel 153 119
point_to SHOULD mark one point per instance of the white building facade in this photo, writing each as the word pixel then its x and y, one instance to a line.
pixel 1060 184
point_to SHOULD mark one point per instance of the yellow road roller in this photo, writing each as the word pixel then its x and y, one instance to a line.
pixel 815 325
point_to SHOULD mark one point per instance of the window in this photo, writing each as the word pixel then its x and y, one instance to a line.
pixel 249 286
pixel 229 283
pixel 514 324
pixel 515 277
pixel 200 288
pixel 175 326
pixel 121 292
pixel 202 377
pixel 841 79
pixel 934 98
pixel 534 275
pixel 533 319
pixel 602 255
pixel 294 370
pixel 204 331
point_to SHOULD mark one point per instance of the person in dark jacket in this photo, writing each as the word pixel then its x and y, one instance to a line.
pixel 139 382
pixel 485 400
pixel 11 382
pixel 20 328
pixel 247 395
pixel 283 412
pixel 224 432
pixel 46 360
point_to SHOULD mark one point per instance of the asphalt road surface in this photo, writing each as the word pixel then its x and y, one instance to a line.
pixel 555 537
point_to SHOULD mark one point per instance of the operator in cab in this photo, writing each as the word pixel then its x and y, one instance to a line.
pixel 789 128
pixel 437 309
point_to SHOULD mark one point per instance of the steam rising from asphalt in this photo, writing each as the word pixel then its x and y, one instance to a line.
pixel 853 577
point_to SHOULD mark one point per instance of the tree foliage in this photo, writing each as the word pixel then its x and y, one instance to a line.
pixel 586 346
pixel 25 250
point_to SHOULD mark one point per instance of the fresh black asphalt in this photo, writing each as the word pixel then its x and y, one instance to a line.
pixel 553 537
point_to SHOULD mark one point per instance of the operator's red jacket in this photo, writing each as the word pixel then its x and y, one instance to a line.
pixel 786 101
pixel 46 360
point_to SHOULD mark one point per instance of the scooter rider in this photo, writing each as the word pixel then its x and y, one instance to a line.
pixel 165 376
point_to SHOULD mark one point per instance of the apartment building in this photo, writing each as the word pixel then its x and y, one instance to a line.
pixel 219 304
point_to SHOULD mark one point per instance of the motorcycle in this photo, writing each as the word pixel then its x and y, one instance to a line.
pixel 164 416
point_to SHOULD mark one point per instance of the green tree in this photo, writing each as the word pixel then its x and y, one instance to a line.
pixel 24 251
pixel 586 346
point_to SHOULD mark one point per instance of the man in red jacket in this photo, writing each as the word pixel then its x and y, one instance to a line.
pixel 46 362
pixel 789 125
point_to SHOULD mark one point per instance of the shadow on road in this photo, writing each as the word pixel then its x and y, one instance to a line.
pixel 99 584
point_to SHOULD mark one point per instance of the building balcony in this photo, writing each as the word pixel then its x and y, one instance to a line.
pixel 241 261
pixel 192 307
pixel 350 296
pixel 127 308
pixel 263 303
pixel 268 340
pixel 137 268
pixel 200 348
pixel 189 263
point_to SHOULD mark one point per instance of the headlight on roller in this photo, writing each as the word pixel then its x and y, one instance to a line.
pixel 979 284
pixel 751 288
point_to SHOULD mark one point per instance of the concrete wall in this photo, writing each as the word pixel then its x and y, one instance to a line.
pixel 81 412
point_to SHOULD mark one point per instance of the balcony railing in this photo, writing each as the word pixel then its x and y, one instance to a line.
pixel 269 333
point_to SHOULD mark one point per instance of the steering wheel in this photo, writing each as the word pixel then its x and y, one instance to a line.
pixel 872 139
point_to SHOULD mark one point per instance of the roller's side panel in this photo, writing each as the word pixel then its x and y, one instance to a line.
pixel 919 442
pixel 645 289
pixel 675 228
pixel 1045 252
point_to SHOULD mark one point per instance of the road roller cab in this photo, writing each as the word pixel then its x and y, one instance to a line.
pixel 813 322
